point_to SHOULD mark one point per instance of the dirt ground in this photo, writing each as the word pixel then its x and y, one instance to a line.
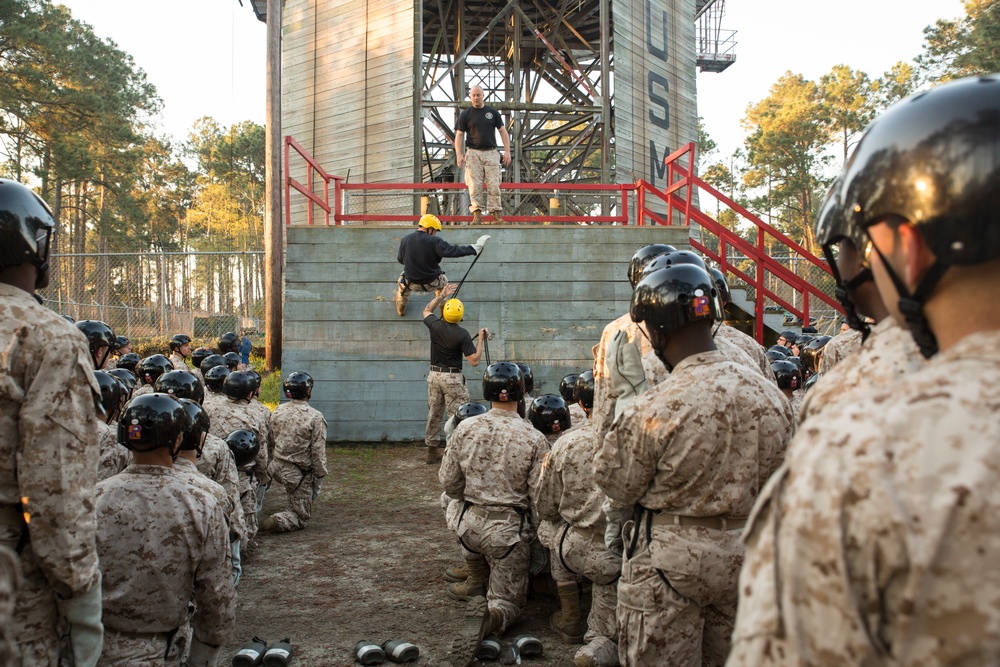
pixel 370 565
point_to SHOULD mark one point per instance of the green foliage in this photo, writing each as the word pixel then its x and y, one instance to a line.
pixel 963 47
pixel 270 385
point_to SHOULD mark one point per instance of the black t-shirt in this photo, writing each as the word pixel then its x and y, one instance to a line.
pixel 450 343
pixel 479 126
pixel 420 254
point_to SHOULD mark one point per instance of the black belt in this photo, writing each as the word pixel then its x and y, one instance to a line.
pixel 445 369
pixel 489 148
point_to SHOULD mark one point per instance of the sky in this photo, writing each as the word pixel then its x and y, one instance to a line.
pixel 207 57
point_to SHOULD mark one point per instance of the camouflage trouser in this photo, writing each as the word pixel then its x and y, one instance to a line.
pixel 128 650
pixel 299 489
pixel 580 555
pixel 248 498
pixel 504 543
pixel 445 393
pixel 403 288
pixel 482 170
pixel 34 628
pixel 677 597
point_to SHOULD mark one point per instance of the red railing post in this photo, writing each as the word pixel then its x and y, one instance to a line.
pixel 759 289
pixel 640 204
pixel 689 190
pixel 288 204
pixel 338 196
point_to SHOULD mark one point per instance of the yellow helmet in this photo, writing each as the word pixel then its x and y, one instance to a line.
pixel 453 311
pixel 430 221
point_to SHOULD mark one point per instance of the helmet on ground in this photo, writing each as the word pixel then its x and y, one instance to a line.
pixel 215 378
pixel 466 410
pixel 298 386
pixel 125 376
pixel 585 389
pixel 26 227
pixel 721 284
pixel 529 378
pixel 674 297
pixel 644 256
pixel 239 386
pixel 178 341
pixel 233 360
pixel 567 388
pixel 786 374
pixel 429 221
pixel 98 335
pixel 199 355
pixel 129 361
pixel 152 421
pixel 244 445
pixel 181 384
pixel 194 436
pixel 673 259
pixel 152 367
pixel 549 414
pixel 228 342
pixel 122 341
pixel 502 382
pixel 112 393
pixel 453 311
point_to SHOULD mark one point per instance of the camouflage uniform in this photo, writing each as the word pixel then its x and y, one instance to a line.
pixel 230 415
pixel 178 361
pixel 882 527
pixel 142 390
pixel 201 378
pixel 189 472
pixel 603 411
pixel 114 456
pixel 840 347
pixel 9 573
pixel 693 452
pixel 213 398
pixel 217 464
pixel 577 415
pixel 149 580
pixel 299 435
pixel 492 464
pixel 746 343
pixel 249 484
pixel 49 452
pixel 263 414
pixel 569 497
pixel 446 392
pixel 887 355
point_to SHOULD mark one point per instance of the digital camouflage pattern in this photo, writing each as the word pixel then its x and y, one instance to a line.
pixel 9 574
pixel 298 432
pixel 700 444
pixel 747 344
pixel 840 347
pixel 603 411
pixel 142 390
pixel 49 452
pixel 876 543
pixel 446 392
pixel 216 462
pixel 114 456
pixel 178 361
pixel 228 415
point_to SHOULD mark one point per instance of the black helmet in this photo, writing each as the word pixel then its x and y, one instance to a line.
pixel 244 445
pixel 298 386
pixel 153 367
pixel 585 389
pixel 502 382
pixel 215 378
pixel 178 341
pixel 182 384
pixel 803 340
pixel 466 410
pixel 210 362
pixel 228 342
pixel 780 349
pixel 126 377
pixel 813 379
pixel 787 374
pixel 773 355
pixel 674 297
pixel 199 355
pixel 811 353
pixel 98 335
pixel 673 259
pixel 644 256
pixel 152 421
pixel 129 361
pixel 529 378
pixel 721 284
pixel 789 336
pixel 200 422
pixel 112 392
pixel 567 388
pixel 256 379
pixel 26 228
pixel 121 341
pixel 549 414
pixel 238 385
pixel 797 363
pixel 233 360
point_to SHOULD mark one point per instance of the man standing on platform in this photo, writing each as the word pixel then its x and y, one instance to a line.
pixel 482 164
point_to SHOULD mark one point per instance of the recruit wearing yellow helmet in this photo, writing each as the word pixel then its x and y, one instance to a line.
pixel 453 311
pixel 430 222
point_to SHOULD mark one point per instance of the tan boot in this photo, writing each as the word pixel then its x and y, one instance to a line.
pixel 497 218
pixel 567 622
pixel 267 525
pixel 601 652
pixel 433 455
pixel 457 572
pixel 479 621
pixel 474 585
pixel 477 217
pixel 400 306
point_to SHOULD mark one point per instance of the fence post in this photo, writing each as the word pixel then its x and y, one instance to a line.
pixel 163 293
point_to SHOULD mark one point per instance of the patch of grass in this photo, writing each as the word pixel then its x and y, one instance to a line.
pixel 270 383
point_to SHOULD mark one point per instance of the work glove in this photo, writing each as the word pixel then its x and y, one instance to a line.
pixel 317 483
pixel 86 632
pixel 480 242
pixel 628 380
pixel 202 654
pixel 449 428
pixel 613 531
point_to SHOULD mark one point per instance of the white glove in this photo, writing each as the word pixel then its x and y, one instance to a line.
pixel 449 428
pixel 628 379
pixel 613 531
pixel 480 242
pixel 86 633
pixel 202 654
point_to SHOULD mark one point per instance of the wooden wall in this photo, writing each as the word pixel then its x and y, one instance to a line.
pixel 545 292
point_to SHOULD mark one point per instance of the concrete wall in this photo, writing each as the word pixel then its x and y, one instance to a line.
pixel 545 292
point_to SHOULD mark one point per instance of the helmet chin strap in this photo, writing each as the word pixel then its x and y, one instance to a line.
pixel 656 349
pixel 912 305
pixel 843 291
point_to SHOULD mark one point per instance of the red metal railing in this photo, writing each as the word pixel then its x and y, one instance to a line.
pixel 678 197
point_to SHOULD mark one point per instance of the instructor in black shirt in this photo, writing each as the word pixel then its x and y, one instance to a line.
pixel 482 162
pixel 446 389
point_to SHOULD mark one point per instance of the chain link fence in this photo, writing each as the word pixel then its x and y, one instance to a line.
pixel 149 296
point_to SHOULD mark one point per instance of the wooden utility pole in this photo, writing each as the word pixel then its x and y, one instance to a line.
pixel 274 232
